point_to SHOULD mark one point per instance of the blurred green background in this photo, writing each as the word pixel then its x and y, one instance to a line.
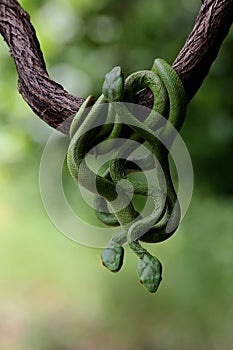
pixel 54 293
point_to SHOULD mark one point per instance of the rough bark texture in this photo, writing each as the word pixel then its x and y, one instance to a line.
pixel 202 46
pixel 46 98
pixel 54 105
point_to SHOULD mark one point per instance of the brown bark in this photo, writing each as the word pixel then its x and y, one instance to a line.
pixel 46 98
pixel 54 105
pixel 202 46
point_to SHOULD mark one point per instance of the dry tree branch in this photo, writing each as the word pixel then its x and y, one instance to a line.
pixel 54 105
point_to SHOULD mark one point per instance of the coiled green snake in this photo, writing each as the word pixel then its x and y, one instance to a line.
pixel 113 189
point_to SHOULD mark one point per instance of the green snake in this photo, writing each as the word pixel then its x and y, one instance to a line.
pixel 113 189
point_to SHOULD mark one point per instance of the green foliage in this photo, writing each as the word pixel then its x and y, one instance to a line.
pixel 54 294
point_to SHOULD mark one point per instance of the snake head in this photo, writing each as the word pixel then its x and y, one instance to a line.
pixel 112 258
pixel 113 86
pixel 150 272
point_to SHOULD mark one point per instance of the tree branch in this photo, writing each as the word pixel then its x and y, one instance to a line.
pixel 46 98
pixel 201 47
pixel 54 105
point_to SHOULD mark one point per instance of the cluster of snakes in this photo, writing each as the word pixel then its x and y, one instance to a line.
pixel 113 188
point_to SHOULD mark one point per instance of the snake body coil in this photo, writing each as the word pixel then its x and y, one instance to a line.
pixel 113 189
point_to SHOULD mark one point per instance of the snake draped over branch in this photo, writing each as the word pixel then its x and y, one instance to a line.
pixel 113 188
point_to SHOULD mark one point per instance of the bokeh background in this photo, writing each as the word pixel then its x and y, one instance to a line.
pixel 54 293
